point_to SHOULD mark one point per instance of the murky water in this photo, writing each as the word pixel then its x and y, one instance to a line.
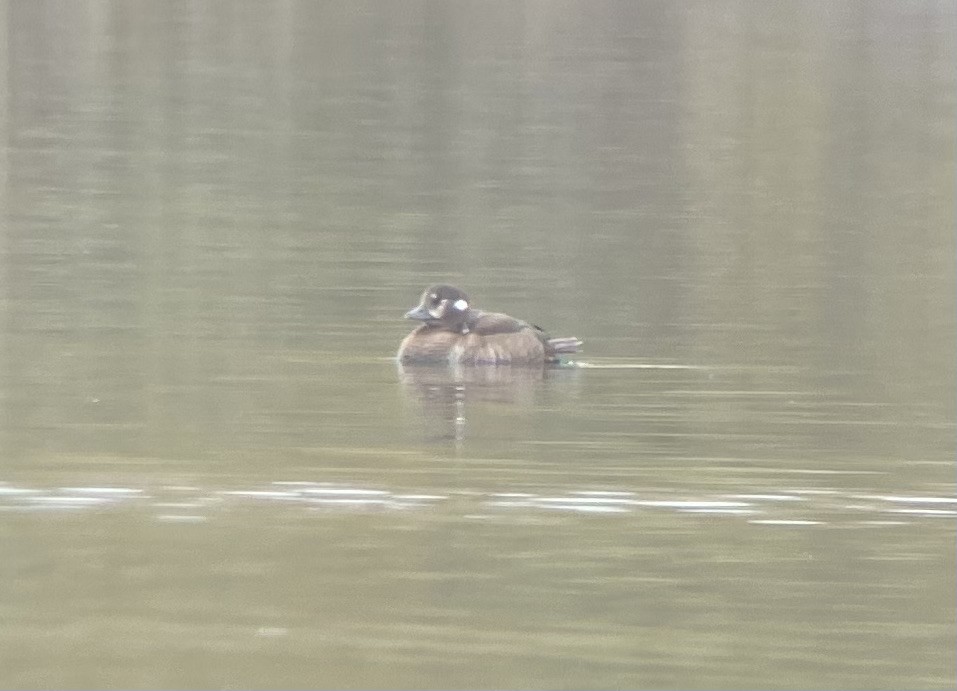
pixel 214 475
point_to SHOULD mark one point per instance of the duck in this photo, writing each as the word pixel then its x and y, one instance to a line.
pixel 453 332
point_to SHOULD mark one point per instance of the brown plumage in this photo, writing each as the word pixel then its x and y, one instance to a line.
pixel 455 333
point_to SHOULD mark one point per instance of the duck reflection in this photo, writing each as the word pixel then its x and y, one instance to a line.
pixel 442 393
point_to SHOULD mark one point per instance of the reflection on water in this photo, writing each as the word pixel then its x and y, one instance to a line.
pixel 445 394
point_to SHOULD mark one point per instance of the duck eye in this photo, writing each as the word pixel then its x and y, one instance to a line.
pixel 433 299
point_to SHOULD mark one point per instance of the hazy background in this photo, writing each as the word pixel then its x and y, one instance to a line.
pixel 213 216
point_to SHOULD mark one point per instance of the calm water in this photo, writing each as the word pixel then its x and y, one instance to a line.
pixel 213 475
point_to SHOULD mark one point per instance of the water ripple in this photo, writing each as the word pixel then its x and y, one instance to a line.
pixel 190 504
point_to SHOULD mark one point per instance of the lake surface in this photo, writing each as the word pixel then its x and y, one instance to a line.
pixel 214 475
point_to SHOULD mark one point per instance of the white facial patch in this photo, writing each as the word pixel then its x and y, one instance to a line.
pixel 461 305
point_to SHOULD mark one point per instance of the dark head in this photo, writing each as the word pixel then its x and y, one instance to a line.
pixel 442 305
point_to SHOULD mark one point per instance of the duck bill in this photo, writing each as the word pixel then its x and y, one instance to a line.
pixel 418 313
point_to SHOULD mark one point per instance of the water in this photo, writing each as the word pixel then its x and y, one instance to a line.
pixel 214 475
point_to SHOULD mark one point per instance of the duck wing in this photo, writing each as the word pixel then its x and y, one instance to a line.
pixel 491 323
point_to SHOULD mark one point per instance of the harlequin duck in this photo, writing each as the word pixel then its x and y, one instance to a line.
pixel 454 332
